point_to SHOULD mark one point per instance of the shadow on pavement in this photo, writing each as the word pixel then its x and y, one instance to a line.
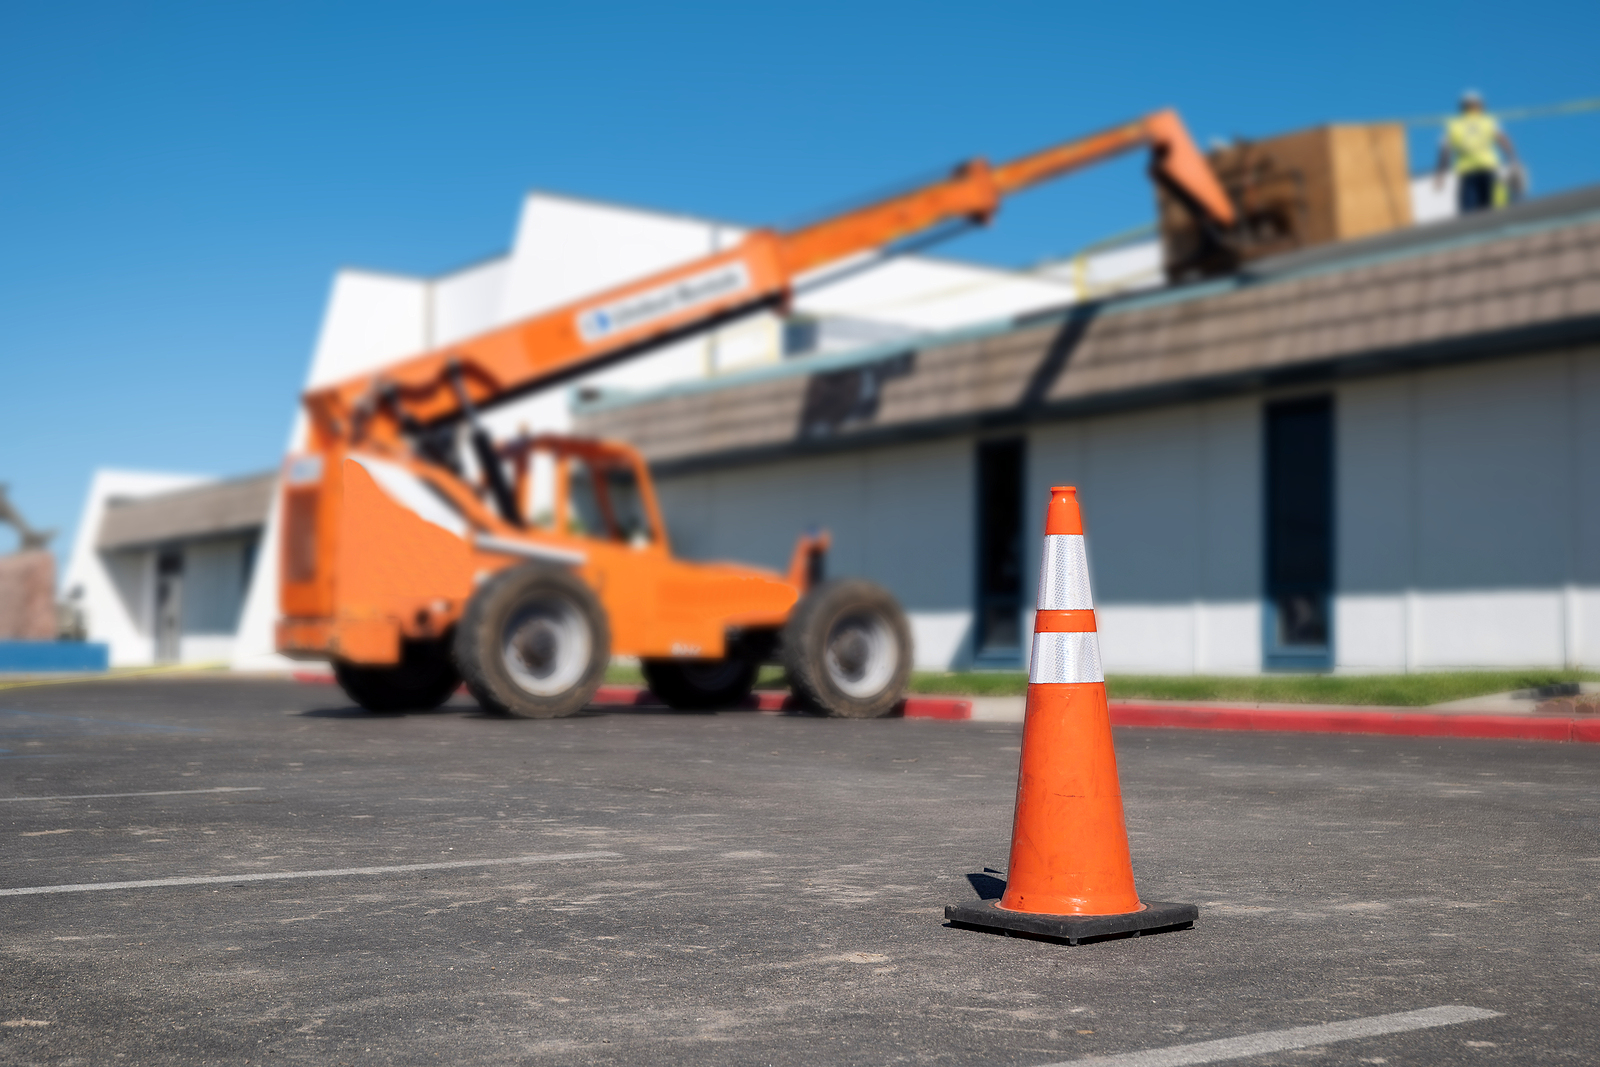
pixel 987 886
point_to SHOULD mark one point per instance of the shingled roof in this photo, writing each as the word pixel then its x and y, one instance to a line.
pixel 1508 283
pixel 215 509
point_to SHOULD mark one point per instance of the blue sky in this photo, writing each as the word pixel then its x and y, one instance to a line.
pixel 178 182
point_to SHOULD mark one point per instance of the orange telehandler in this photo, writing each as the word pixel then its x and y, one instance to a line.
pixel 414 562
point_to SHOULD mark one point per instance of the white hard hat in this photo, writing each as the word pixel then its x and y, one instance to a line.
pixel 1471 96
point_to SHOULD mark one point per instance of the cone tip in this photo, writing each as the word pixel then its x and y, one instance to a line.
pixel 1063 516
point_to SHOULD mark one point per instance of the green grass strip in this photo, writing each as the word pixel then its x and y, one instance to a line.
pixel 1394 690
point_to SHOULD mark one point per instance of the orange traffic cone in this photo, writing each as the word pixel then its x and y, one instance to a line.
pixel 1070 875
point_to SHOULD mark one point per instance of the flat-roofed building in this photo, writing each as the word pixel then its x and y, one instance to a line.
pixel 1382 455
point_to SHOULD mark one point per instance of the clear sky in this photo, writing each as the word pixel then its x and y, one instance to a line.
pixel 178 182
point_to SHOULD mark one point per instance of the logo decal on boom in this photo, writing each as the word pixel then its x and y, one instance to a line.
pixel 664 301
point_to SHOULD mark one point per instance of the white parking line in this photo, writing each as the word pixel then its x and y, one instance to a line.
pixel 1233 1048
pixel 156 793
pixel 276 876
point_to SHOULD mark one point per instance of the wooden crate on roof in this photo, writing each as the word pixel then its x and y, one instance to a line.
pixel 1329 183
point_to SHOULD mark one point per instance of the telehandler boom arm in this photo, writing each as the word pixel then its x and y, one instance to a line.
pixel 377 409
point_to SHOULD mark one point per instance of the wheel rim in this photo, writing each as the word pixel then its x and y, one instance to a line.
pixel 860 654
pixel 545 645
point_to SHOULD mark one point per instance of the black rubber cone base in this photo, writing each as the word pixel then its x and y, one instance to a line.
pixel 1154 917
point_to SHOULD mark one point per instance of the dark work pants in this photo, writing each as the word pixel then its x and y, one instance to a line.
pixel 1475 190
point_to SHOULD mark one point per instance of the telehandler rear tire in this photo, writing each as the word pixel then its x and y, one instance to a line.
pixel 533 642
pixel 701 685
pixel 847 650
pixel 422 680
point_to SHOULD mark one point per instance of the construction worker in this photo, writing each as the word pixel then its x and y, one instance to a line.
pixel 1474 140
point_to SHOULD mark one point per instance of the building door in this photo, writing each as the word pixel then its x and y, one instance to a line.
pixel 169 605
pixel 998 634
pixel 1299 535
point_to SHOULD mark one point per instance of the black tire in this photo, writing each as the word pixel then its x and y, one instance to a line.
pixel 847 650
pixel 534 642
pixel 701 684
pixel 422 680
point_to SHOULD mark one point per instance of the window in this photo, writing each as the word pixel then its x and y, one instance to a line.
pixel 1299 535
pixel 999 609
pixel 613 509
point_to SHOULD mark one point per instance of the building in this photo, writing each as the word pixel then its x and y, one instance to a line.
pixel 154 586
pixel 161 564
pixel 1381 455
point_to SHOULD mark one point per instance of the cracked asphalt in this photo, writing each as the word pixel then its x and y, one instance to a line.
pixel 642 887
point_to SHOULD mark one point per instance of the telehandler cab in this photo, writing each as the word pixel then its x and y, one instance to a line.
pixel 414 564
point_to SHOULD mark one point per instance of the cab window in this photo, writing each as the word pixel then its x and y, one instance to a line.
pixel 608 506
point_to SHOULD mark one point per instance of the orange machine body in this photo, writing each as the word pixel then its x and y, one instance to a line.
pixel 378 549
pixel 383 541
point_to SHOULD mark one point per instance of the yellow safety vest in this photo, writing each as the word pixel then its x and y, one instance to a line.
pixel 1471 139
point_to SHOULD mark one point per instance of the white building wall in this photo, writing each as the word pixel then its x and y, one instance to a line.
pixel 372 319
pixel 567 248
pixel 1468 533
pixel 255 643
pixel 1172 513
pixel 216 577
pixel 926 295
pixel 465 302
pixel 1114 270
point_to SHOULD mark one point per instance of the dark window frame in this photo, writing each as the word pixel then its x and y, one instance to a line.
pixel 990 649
pixel 1299 523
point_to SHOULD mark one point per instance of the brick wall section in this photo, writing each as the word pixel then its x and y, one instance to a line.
pixel 28 597
pixel 1449 294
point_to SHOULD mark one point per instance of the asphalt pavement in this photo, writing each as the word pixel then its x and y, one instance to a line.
pixel 248 871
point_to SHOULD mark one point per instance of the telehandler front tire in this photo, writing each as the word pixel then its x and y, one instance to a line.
pixel 701 685
pixel 533 642
pixel 422 680
pixel 847 650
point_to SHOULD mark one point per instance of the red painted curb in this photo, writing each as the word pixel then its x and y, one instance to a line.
pixel 951 708
pixel 773 700
pixel 1161 716
pixel 1417 724
pixel 626 695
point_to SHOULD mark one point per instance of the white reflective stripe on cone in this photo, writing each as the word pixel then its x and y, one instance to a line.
pixel 1064 574
pixel 1066 658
